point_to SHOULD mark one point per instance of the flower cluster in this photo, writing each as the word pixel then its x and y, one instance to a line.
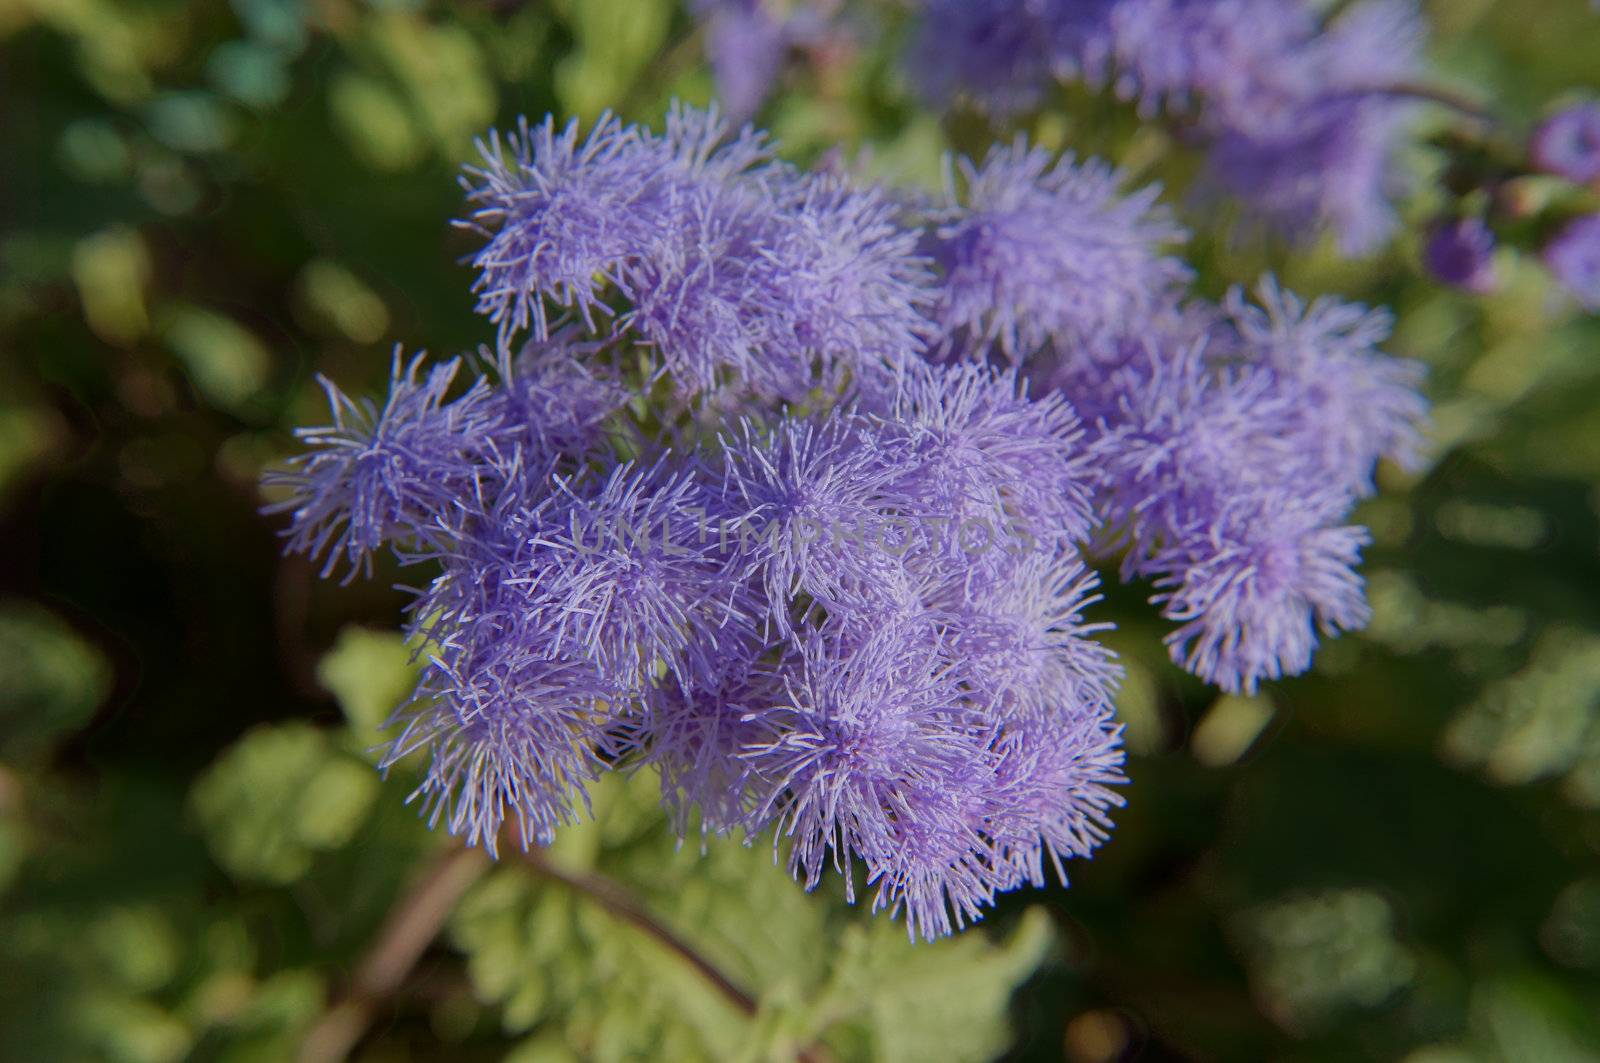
pixel 1232 443
pixel 1301 118
pixel 786 490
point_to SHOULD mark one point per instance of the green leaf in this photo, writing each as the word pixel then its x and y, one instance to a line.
pixel 278 796
pixel 615 40
pixel 51 681
pixel 374 121
pixel 581 980
pixel 944 1000
pixel 226 362
pixel 370 673
pixel 1529 1016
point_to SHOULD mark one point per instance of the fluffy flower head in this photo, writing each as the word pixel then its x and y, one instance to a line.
pixel 1033 248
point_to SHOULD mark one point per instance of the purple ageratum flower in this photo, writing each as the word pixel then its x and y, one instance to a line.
pixel 937 656
pixel 1204 479
pixel 966 442
pixel 380 476
pixel 1461 254
pixel 1568 143
pixel 1176 437
pixel 803 506
pixel 561 604
pixel 703 144
pixel 782 286
pixel 510 734
pixel 1054 789
pixel 1021 642
pixel 563 216
pixel 621 575
pixel 872 755
pixel 697 737
pixel 552 406
pixel 1252 593
pixel 560 215
pixel 1034 249
pixel 690 294
pixel 890 747
pixel 1359 404
pixel 1228 451
pixel 735 269
pixel 851 285
pixel 1573 256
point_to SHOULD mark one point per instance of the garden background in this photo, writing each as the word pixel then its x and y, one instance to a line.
pixel 205 205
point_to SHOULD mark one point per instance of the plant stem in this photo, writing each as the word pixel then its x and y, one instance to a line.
pixel 416 918
pixel 412 924
pixel 622 904
pixel 616 900
pixel 1444 97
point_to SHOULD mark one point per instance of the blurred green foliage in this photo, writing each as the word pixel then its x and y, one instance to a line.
pixel 1397 856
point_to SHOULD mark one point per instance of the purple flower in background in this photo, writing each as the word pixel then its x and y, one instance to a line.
pixel 995 53
pixel 1033 248
pixel 1568 143
pixel 1461 254
pixel 1236 55
pixel 1313 144
pixel 1300 119
pixel 1329 168
pixel 746 44
pixel 1574 257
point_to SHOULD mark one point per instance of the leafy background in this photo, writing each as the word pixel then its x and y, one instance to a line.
pixel 1397 856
